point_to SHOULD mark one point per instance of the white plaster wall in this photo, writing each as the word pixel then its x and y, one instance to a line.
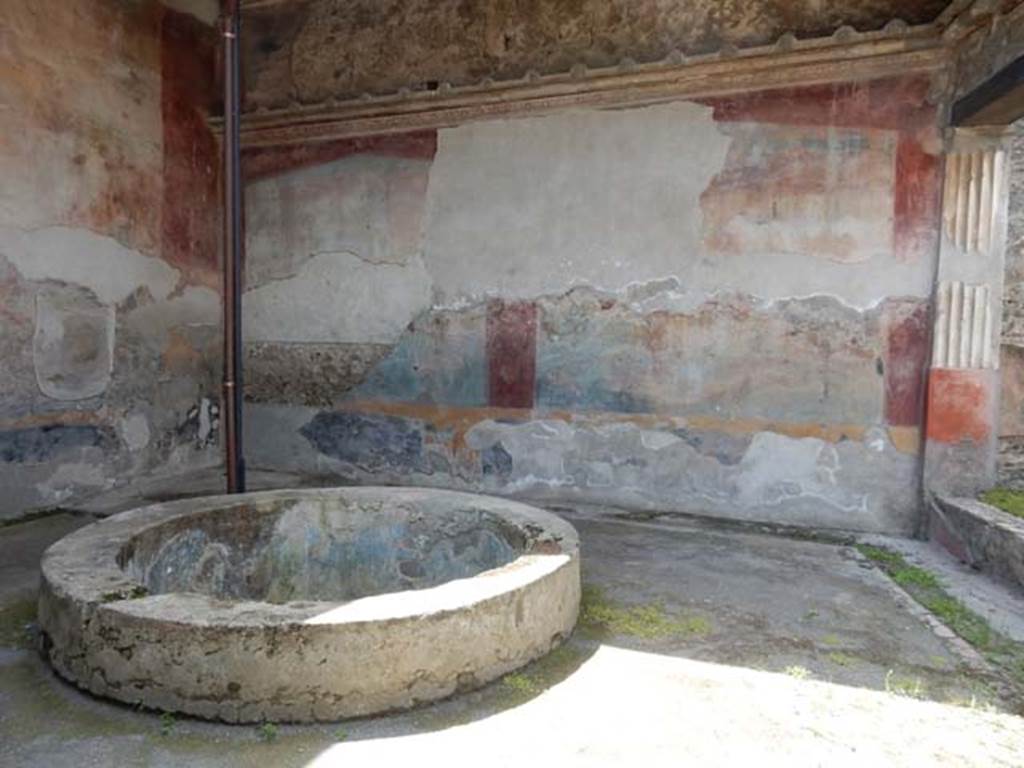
pixel 82 257
pixel 334 252
pixel 337 297
pixel 522 208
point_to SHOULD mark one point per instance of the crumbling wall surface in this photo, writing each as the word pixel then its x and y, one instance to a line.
pixel 311 50
pixel 991 37
pixel 1011 350
pixel 712 308
pixel 108 248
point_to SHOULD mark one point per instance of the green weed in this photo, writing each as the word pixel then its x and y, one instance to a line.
pixel 646 620
pixel 797 672
pixel 1002 652
pixel 167 723
pixel 901 685
pixel 520 683
pixel 1005 499
pixel 15 624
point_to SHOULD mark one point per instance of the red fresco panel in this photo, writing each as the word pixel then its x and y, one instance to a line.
pixel 511 353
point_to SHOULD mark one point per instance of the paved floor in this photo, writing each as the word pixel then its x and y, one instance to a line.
pixel 718 647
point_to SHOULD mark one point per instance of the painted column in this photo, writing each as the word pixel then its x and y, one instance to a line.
pixel 963 383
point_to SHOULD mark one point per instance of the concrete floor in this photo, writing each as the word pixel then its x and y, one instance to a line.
pixel 781 651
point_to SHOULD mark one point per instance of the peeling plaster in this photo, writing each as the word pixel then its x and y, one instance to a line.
pixel 73 345
pixel 81 257
pixel 134 431
pixel 194 307
pixel 338 297
pixel 614 199
pixel 779 478
pixel 367 205
pixel 763 476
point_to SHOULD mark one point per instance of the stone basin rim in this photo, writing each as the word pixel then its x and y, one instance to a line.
pixel 84 565
pixel 301 661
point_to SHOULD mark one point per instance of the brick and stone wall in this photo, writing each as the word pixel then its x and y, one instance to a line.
pixel 1011 352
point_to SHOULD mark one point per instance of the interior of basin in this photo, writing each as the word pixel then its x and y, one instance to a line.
pixel 325 548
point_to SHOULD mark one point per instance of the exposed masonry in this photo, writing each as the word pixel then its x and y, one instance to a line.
pixel 983 49
pixel 1011 351
pixel 307 373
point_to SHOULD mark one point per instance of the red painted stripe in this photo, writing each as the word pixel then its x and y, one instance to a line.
pixel 511 353
pixel 906 359
pixel 190 233
pixel 915 199
pixel 895 103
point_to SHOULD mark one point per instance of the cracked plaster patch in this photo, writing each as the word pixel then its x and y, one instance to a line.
pixel 338 297
pixel 81 257
pixel 73 345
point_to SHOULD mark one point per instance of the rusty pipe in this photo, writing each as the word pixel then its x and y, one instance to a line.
pixel 234 459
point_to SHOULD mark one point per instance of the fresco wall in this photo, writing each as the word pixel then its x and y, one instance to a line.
pixel 716 307
pixel 108 248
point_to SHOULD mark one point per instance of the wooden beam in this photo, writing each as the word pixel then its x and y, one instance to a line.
pixel 997 101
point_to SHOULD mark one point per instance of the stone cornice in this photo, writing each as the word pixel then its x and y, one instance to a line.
pixel 844 56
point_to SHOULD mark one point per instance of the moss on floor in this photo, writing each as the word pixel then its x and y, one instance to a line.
pixel 1005 499
pixel 535 678
pixel 16 620
pixel 599 614
pixel 1002 652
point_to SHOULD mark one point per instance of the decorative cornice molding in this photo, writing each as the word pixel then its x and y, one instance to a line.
pixel 846 55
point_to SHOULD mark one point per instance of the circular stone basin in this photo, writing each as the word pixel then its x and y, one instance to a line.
pixel 305 605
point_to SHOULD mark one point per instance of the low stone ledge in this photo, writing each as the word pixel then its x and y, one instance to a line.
pixel 980 535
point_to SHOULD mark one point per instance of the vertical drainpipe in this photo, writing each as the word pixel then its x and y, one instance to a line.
pixel 233 243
